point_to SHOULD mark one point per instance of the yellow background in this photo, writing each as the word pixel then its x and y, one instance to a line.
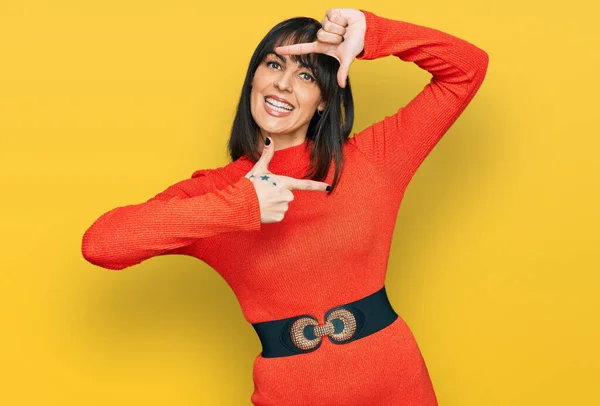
pixel 494 262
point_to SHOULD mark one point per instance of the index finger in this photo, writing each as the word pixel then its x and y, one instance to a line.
pixel 306 184
pixel 298 49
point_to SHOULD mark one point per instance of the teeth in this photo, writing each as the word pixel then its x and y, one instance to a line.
pixel 281 110
pixel 279 104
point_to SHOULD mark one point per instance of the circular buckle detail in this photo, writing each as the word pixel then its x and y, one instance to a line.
pixel 349 322
pixel 299 339
pixel 337 332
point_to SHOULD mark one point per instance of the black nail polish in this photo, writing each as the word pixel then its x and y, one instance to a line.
pixel 342 38
pixel 268 141
pixel 328 188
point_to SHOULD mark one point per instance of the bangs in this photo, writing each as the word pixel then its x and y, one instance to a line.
pixel 311 61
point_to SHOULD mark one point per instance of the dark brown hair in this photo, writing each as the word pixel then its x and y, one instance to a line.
pixel 329 131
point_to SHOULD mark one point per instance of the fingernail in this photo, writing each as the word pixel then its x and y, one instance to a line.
pixel 342 38
pixel 268 141
pixel 328 188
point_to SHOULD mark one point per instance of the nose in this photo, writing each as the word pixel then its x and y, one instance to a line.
pixel 283 82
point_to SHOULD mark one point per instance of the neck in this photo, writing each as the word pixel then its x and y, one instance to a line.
pixel 281 141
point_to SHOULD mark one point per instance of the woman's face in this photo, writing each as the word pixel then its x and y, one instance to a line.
pixel 284 96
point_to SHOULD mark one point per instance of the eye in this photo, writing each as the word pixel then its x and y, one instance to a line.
pixel 309 77
pixel 273 62
pixel 276 65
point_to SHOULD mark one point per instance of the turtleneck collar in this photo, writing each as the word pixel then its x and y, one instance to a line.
pixel 285 161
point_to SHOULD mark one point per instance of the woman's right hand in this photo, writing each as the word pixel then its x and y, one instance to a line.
pixel 275 191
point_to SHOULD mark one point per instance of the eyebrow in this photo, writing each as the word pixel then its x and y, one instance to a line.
pixel 284 60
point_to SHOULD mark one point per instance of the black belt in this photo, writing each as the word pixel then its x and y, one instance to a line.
pixel 343 324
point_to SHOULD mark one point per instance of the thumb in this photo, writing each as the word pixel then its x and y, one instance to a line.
pixel 267 153
pixel 342 73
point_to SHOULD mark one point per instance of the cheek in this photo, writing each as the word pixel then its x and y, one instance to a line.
pixel 254 93
pixel 260 77
pixel 311 98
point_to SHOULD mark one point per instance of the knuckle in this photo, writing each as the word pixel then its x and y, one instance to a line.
pixel 333 14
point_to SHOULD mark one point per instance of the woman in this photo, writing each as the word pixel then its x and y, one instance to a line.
pixel 307 267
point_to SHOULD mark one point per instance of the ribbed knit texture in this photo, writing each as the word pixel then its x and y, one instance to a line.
pixel 329 249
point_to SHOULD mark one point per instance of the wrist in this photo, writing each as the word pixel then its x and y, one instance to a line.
pixel 370 35
pixel 361 25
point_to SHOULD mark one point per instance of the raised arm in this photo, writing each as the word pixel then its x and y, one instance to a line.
pixel 171 221
pixel 398 144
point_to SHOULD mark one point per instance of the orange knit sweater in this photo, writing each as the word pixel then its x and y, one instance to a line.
pixel 329 249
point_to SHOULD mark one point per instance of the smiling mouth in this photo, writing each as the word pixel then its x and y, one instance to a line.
pixel 278 106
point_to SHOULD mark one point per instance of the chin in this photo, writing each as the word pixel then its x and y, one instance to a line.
pixel 270 124
pixel 273 130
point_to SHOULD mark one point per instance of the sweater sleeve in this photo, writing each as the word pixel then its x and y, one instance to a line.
pixel 170 221
pixel 399 143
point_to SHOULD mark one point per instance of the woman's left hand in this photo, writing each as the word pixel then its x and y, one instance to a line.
pixel 342 37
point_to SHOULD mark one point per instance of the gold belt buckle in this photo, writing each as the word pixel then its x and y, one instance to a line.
pixel 339 326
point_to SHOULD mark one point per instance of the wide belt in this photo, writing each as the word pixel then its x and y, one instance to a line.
pixel 343 324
